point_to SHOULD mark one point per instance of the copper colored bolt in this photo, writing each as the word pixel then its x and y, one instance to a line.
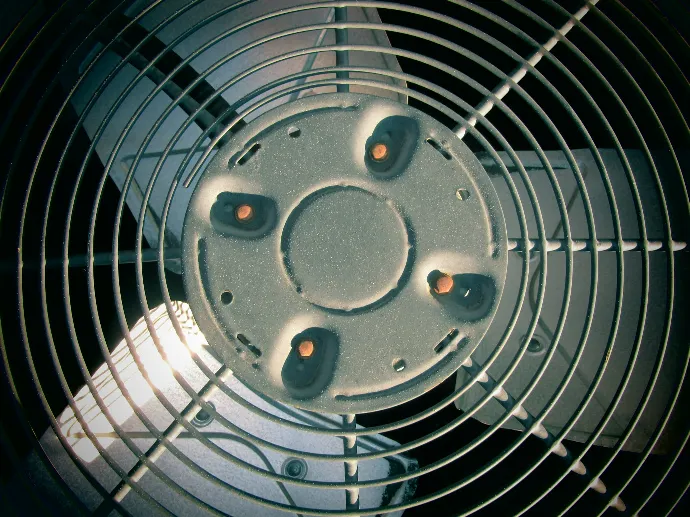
pixel 306 348
pixel 444 284
pixel 378 152
pixel 244 213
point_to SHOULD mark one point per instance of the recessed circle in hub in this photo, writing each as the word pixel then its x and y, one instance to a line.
pixel 345 248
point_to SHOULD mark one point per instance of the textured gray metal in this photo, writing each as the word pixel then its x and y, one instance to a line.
pixel 353 251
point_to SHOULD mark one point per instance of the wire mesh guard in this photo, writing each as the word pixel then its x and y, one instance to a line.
pixel 565 123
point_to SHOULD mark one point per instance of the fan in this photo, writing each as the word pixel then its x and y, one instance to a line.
pixel 296 257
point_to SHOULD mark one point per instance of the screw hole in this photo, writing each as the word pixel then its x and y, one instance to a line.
pixel 245 341
pixel 294 132
pixel 399 365
pixel 203 417
pixel 295 468
pixel 443 344
pixel 534 346
pixel 226 297
pixel 433 143
pixel 248 155
pixel 462 194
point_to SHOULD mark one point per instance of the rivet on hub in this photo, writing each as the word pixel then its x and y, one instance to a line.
pixel 378 152
pixel 443 284
pixel 306 348
pixel 244 213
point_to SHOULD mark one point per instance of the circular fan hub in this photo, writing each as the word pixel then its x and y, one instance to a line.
pixel 338 230
pixel 335 221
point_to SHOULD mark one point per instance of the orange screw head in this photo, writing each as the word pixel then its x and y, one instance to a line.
pixel 378 152
pixel 244 213
pixel 306 348
pixel 443 284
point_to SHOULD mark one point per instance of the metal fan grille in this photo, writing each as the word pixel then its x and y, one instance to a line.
pixel 46 181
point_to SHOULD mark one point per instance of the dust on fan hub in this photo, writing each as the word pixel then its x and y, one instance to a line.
pixel 330 261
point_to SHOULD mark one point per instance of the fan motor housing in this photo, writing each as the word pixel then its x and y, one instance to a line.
pixel 328 225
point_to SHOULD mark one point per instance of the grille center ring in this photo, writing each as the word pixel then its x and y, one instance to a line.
pixel 346 249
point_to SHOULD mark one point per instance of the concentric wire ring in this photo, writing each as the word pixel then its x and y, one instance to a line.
pixel 487 136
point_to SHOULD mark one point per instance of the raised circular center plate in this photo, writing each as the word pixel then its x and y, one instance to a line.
pixel 345 248
pixel 335 222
